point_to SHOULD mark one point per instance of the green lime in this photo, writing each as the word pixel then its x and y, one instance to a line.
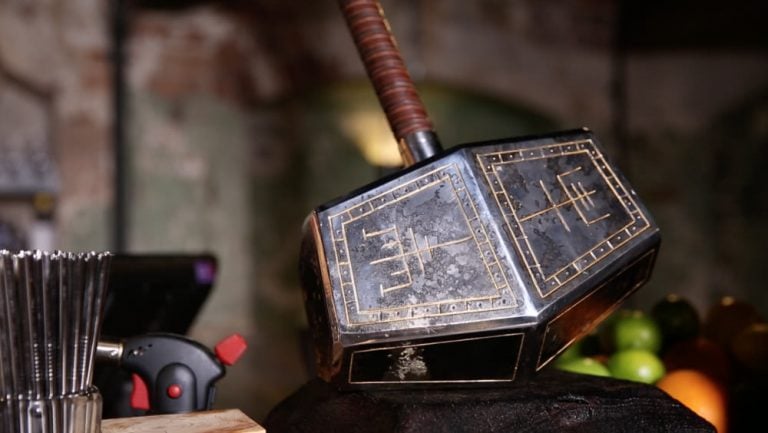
pixel 636 365
pixel 605 331
pixel 572 352
pixel 677 318
pixel 584 366
pixel 636 331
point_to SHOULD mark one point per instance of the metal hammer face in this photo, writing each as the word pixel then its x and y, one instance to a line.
pixel 476 266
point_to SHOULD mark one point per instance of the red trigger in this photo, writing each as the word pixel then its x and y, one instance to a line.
pixel 140 394
pixel 230 349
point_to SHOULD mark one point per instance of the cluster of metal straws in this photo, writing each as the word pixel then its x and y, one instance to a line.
pixel 51 307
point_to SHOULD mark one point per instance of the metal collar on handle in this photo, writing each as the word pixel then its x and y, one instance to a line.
pixel 397 94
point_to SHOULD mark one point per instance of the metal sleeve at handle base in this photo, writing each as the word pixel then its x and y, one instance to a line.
pixel 397 94
pixel 418 146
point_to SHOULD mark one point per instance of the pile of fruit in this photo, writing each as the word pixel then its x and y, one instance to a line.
pixel 716 366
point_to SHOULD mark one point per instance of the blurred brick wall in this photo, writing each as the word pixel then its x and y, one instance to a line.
pixel 60 51
pixel 225 153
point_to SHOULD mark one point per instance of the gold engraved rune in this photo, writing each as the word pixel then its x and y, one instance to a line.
pixel 577 196
pixel 422 252
pixel 581 198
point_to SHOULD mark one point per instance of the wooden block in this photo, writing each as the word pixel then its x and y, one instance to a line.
pixel 219 421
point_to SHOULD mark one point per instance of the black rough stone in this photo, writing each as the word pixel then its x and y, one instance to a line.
pixel 553 401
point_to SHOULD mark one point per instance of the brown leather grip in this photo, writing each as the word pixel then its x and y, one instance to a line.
pixel 378 50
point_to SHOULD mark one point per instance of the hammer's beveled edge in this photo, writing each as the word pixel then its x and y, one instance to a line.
pixel 350 224
pixel 316 290
pixel 570 133
pixel 461 164
pixel 592 256
pixel 544 310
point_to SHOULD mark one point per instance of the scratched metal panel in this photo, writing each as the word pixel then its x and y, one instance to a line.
pixel 419 251
pixel 489 236
pixel 565 209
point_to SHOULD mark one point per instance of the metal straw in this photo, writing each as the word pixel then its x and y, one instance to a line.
pixel 13 337
pixel 51 309
pixel 65 345
pixel 8 371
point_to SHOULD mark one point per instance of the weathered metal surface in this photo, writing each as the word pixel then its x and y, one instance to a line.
pixel 519 245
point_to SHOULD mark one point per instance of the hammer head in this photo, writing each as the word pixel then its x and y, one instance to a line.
pixel 476 266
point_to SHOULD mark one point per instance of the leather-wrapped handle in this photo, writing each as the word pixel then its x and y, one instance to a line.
pixel 397 94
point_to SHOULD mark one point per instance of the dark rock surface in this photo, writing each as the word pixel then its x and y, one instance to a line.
pixel 552 401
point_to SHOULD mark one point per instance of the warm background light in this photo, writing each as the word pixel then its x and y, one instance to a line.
pixel 370 132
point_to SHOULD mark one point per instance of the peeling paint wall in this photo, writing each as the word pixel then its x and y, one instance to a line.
pixel 234 136
pixel 60 53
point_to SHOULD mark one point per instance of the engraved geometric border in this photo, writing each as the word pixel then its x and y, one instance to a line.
pixel 450 307
pixel 546 285
pixel 540 364
pixel 514 371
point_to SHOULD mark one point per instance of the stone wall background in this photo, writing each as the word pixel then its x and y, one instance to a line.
pixel 233 134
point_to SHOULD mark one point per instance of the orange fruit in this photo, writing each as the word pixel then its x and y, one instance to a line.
pixel 727 318
pixel 750 348
pixel 699 354
pixel 698 393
